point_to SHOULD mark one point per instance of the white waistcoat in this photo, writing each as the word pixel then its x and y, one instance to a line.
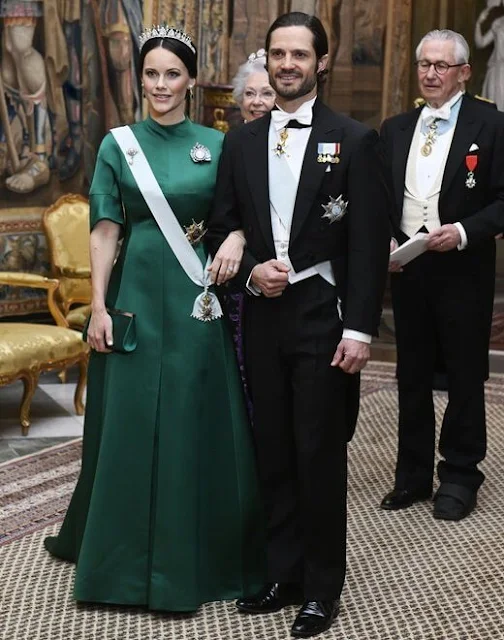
pixel 422 209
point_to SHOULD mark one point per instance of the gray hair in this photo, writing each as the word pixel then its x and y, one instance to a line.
pixel 244 70
pixel 461 46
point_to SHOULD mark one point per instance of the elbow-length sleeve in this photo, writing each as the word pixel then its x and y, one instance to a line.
pixel 105 194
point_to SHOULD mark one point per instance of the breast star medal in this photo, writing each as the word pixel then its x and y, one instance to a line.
pixel 471 161
pixel 200 153
pixel 195 232
pixel 279 150
pixel 335 209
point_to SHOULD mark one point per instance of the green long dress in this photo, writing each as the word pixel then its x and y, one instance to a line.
pixel 166 511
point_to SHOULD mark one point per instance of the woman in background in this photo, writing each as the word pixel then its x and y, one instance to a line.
pixel 251 88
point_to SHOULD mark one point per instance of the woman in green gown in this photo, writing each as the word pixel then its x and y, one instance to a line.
pixel 166 511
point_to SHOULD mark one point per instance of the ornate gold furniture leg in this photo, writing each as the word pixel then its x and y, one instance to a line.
pixel 81 385
pixel 30 380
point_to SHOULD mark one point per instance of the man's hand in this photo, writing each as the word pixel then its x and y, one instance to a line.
pixel 445 238
pixel 351 355
pixel 394 267
pixel 270 278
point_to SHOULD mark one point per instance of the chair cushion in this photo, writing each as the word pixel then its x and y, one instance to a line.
pixel 26 346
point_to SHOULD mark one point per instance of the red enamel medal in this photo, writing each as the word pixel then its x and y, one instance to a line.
pixel 471 164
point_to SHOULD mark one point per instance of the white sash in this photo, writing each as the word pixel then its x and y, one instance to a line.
pixel 206 306
pixel 282 190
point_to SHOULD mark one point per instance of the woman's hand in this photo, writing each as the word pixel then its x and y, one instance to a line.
pixel 99 335
pixel 227 260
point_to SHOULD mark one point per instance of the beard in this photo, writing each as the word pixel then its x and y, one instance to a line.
pixel 294 92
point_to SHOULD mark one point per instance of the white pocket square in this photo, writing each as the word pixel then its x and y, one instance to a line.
pixel 473 147
pixel 328 170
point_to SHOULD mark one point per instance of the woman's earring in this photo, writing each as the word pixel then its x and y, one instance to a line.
pixel 191 93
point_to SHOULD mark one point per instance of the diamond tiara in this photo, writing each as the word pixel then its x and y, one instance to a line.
pixel 261 53
pixel 162 31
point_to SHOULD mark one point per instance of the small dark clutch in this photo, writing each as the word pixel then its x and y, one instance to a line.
pixel 123 331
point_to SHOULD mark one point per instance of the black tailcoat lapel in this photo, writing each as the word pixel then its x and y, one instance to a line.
pixel 312 172
pixel 466 130
pixel 402 145
pixel 255 157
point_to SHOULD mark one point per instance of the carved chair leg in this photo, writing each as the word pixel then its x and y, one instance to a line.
pixel 62 375
pixel 30 380
pixel 81 385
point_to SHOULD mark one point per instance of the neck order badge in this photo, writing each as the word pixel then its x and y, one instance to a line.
pixel 430 139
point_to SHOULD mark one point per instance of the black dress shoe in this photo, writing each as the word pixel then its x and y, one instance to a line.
pixel 272 597
pixel 403 498
pixel 453 502
pixel 315 616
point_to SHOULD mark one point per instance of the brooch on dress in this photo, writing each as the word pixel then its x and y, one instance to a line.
pixel 200 153
pixel 335 209
pixel 132 153
pixel 195 231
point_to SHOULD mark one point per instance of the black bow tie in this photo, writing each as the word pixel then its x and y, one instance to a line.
pixel 294 124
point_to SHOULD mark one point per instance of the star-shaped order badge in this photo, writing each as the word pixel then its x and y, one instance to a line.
pixel 335 209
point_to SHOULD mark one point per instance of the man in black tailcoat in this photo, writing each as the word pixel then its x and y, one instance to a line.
pixel 304 184
pixel 446 170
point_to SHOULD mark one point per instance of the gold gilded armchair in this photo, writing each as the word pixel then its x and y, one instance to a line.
pixel 27 349
pixel 66 225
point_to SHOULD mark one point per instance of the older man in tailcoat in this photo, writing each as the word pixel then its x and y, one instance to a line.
pixel 446 170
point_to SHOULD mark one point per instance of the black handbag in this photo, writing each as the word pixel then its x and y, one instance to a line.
pixel 123 331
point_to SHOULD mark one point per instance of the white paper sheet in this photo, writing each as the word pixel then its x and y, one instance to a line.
pixel 411 249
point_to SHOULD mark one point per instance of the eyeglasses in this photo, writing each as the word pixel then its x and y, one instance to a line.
pixel 439 67
pixel 267 94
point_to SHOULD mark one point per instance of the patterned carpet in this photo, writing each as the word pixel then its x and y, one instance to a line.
pixel 410 577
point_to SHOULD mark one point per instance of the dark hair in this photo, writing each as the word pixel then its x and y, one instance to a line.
pixel 299 19
pixel 180 49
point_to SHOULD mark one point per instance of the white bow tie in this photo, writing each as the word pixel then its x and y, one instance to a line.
pixel 303 115
pixel 429 114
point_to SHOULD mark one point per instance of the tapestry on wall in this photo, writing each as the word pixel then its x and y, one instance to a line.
pixel 67 76
pixel 23 247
